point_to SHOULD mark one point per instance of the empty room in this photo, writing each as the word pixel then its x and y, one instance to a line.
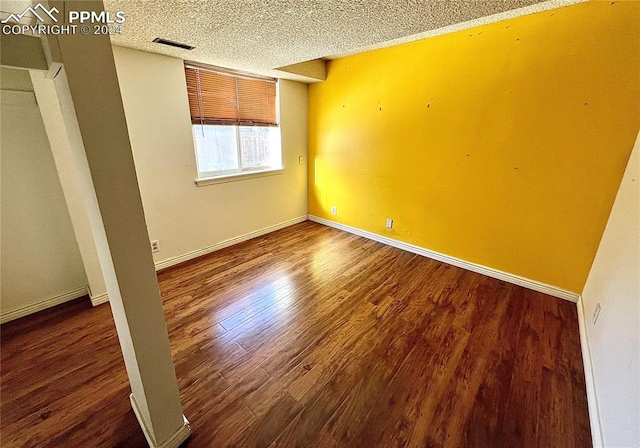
pixel 320 223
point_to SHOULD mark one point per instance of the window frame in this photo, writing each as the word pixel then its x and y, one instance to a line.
pixel 221 176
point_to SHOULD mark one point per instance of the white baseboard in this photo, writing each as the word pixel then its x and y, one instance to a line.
pixel 484 270
pixel 589 379
pixel 99 299
pixel 179 436
pixel 103 298
pixel 230 242
pixel 43 305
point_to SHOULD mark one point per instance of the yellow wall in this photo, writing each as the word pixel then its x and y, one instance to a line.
pixel 502 145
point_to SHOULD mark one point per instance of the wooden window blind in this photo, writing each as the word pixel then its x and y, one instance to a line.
pixel 217 97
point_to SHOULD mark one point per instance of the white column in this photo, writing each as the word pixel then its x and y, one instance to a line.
pixel 89 98
pixel 69 170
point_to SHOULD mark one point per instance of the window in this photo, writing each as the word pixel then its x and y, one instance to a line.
pixel 234 121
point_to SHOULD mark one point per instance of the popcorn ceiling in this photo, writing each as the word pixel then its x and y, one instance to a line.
pixel 260 35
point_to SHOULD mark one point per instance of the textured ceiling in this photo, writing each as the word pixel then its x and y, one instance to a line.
pixel 260 35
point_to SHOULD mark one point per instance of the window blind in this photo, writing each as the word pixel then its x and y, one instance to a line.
pixel 217 97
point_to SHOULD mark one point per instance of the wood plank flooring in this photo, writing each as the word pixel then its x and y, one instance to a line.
pixel 312 337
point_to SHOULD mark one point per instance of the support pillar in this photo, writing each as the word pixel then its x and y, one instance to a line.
pixel 89 98
pixel 69 169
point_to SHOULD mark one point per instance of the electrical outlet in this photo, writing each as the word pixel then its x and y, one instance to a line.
pixel 389 223
pixel 334 210
pixel 596 313
pixel 300 160
pixel 155 246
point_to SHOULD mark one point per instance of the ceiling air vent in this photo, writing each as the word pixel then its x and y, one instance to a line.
pixel 173 44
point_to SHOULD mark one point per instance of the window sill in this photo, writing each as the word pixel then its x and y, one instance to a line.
pixel 201 182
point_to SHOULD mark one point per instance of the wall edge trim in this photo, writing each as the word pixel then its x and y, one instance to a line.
pixel 597 436
pixel 43 305
pixel 180 435
pixel 160 265
pixel 473 267
pixel 99 299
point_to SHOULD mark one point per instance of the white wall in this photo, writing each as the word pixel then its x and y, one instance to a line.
pixel 40 261
pixel 614 341
pixel 12 79
pixel 182 216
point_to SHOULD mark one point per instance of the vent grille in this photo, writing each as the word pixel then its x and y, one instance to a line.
pixel 173 44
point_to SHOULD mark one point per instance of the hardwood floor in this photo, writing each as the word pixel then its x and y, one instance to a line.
pixel 312 337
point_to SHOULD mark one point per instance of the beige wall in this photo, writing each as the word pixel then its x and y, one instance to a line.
pixel 12 79
pixel 40 261
pixel 182 216
pixel 41 264
pixel 614 340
